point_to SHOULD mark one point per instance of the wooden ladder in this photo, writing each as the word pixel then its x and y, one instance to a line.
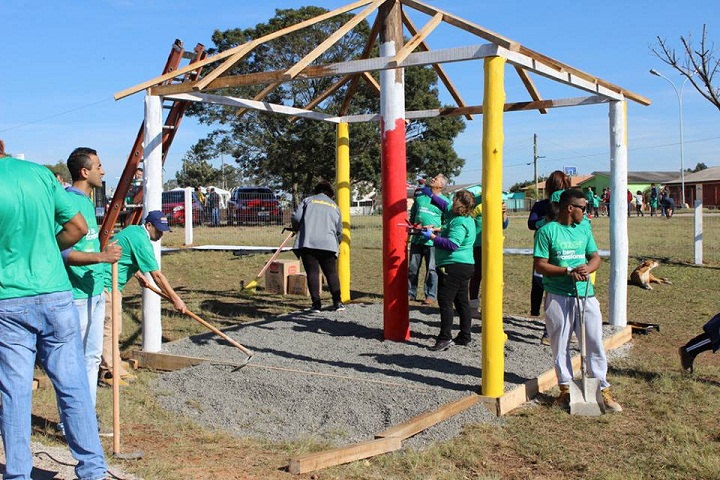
pixel 176 110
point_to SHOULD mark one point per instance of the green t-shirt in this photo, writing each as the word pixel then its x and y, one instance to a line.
pixel 87 280
pixel 426 214
pixel 137 254
pixel 461 231
pixel 32 201
pixel 565 246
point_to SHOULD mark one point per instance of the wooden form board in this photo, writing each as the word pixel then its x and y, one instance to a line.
pixel 338 456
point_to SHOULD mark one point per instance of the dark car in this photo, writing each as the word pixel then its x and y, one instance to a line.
pixel 173 206
pixel 254 205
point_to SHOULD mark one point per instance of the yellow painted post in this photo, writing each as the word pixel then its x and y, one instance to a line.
pixel 493 336
pixel 342 185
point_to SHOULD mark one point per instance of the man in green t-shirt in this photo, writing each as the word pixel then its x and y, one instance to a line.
pixel 85 262
pixel 137 259
pixel 38 321
pixel 424 213
pixel 566 254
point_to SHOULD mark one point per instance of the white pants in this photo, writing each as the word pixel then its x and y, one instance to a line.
pixel 562 319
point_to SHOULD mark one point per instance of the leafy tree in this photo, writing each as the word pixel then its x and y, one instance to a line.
pixel 698 64
pixel 61 168
pixel 699 167
pixel 293 155
pixel 197 170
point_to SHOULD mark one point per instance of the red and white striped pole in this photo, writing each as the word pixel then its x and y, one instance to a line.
pixel 396 319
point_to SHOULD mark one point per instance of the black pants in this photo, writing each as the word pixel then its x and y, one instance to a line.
pixel 476 279
pixel 453 283
pixel 313 260
pixel 536 295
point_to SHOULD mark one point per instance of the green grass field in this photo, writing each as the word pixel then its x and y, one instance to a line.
pixel 669 429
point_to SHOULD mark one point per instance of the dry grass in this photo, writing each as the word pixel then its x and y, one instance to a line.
pixel 669 429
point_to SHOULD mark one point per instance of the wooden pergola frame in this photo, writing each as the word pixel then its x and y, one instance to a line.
pixel 389 22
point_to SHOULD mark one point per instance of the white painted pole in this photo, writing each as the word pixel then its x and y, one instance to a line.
pixel 618 217
pixel 188 216
pixel 698 225
pixel 152 200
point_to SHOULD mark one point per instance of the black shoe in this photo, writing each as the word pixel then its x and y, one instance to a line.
pixel 686 360
pixel 339 307
pixel 442 345
pixel 316 307
pixel 462 340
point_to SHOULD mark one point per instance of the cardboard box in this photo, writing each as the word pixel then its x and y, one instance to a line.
pixel 277 274
pixel 297 285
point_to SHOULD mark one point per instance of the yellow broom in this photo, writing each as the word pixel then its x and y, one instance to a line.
pixel 252 285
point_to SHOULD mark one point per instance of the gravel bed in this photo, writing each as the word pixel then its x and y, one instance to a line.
pixel 330 377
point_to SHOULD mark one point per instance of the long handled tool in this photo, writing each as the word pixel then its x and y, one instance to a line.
pixel 585 395
pixel 254 282
pixel 115 318
pixel 232 342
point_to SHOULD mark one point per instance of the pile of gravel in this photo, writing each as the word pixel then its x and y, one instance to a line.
pixel 329 376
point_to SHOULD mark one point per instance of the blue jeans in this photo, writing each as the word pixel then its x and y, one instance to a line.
pixel 45 326
pixel 417 253
pixel 92 319
pixel 215 216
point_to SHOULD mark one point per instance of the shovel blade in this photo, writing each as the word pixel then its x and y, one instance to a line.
pixel 586 397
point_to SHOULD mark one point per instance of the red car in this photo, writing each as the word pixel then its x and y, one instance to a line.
pixel 173 206
pixel 254 205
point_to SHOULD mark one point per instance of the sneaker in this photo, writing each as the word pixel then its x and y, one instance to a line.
pixel 462 340
pixel 563 400
pixel 442 345
pixel 686 360
pixel 545 340
pixel 316 307
pixel 339 307
pixel 610 404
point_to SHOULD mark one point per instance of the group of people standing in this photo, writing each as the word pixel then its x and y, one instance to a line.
pixel 211 204
pixel 54 293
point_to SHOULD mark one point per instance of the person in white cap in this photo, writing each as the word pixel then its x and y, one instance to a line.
pixel 137 259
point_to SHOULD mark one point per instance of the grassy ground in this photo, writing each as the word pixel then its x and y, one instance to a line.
pixel 669 429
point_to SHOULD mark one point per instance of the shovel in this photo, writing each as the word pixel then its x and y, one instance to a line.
pixel 210 327
pixel 585 394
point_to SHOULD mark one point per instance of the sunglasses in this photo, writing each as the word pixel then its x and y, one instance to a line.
pixel 581 207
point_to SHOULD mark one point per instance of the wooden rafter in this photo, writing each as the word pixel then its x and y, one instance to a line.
pixel 231 51
pixel 529 85
pixel 227 65
pixel 436 66
pixel 418 38
pixel 261 95
pixel 331 40
pixel 456 21
pixel 355 82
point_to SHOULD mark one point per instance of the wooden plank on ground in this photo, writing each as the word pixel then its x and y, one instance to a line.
pixel 426 420
pixel 338 456
pixel 163 361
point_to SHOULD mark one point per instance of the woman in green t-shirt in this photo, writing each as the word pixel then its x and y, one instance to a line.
pixel 454 264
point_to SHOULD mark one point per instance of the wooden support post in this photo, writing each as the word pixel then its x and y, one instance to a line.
pixel 343 200
pixel 619 214
pixel 396 314
pixel 493 336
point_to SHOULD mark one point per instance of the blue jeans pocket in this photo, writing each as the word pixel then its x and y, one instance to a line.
pixel 63 319
pixel 13 323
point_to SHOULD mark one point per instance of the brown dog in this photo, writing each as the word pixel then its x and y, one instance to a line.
pixel 642 277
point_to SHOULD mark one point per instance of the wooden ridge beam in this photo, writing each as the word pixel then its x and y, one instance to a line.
pixel 232 51
pixel 439 70
pixel 457 54
pixel 456 21
pixel 331 40
pixel 530 86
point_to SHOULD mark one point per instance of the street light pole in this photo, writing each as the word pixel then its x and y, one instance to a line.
pixel 679 97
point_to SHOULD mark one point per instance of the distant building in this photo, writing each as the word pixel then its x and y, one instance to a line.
pixel 707 180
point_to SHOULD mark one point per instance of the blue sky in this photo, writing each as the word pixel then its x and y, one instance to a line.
pixel 65 60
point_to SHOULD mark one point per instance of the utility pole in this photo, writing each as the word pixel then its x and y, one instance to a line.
pixel 535 159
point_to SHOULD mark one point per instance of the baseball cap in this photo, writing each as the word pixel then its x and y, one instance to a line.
pixel 159 220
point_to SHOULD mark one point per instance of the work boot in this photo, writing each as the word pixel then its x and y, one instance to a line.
pixel 686 360
pixel 563 400
pixel 610 404
pixel 106 379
